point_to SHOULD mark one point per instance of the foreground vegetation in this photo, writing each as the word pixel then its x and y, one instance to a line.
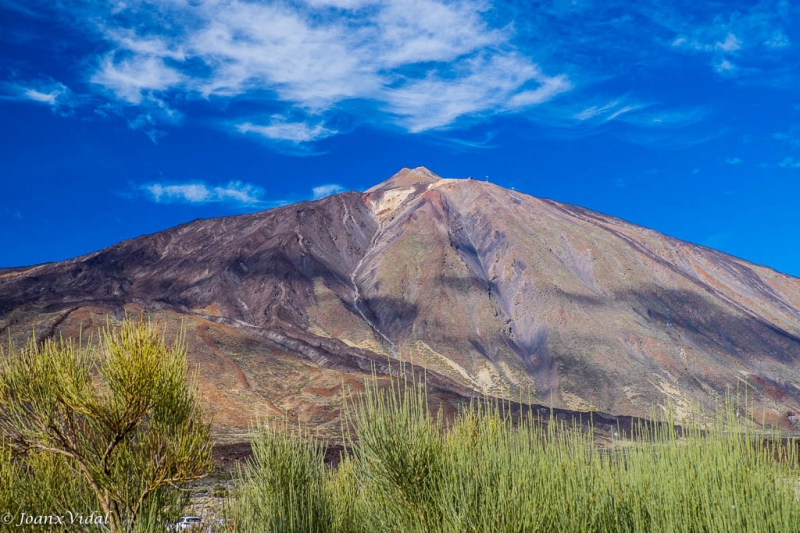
pixel 112 428
pixel 485 473
pixel 99 434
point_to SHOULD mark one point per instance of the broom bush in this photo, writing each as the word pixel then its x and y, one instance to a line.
pixel 409 470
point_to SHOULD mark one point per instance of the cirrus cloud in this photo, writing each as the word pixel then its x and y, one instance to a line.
pixel 52 93
pixel 296 73
pixel 417 64
pixel 326 190
pixel 199 193
pixel 280 130
pixel 234 193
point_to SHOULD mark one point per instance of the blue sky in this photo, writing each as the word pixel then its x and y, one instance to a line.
pixel 127 117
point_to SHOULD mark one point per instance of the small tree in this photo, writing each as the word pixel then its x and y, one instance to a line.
pixel 119 414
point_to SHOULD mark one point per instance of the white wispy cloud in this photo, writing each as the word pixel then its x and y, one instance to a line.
pixel 720 51
pixel 149 119
pixel 45 98
pixel 596 110
pixel 789 162
pixel 724 66
pixel 730 38
pixel 233 193
pixel 51 93
pixel 293 73
pixel 417 64
pixel 481 85
pixel 702 42
pixel 280 130
pixel 640 122
pixel 778 40
pixel 730 44
pixel 326 190
pixel 733 161
pixel 644 115
pixel 609 111
pixel 199 193
pixel 131 78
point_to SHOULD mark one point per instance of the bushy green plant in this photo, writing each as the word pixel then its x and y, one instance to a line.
pixel 282 487
pixel 42 484
pixel 399 458
pixel 111 428
pixel 487 471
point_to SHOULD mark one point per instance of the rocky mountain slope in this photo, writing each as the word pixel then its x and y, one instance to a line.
pixel 492 291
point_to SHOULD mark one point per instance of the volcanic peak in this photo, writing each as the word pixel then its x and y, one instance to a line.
pixel 489 291
pixel 407 177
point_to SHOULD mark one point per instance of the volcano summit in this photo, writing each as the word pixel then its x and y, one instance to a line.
pixel 493 292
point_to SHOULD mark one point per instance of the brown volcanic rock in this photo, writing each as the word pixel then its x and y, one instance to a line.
pixel 494 292
pixel 597 311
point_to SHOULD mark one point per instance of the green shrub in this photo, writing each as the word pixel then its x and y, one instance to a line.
pixel 282 488
pixel 111 428
pixel 409 471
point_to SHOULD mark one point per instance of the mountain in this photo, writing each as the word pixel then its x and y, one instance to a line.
pixel 491 291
